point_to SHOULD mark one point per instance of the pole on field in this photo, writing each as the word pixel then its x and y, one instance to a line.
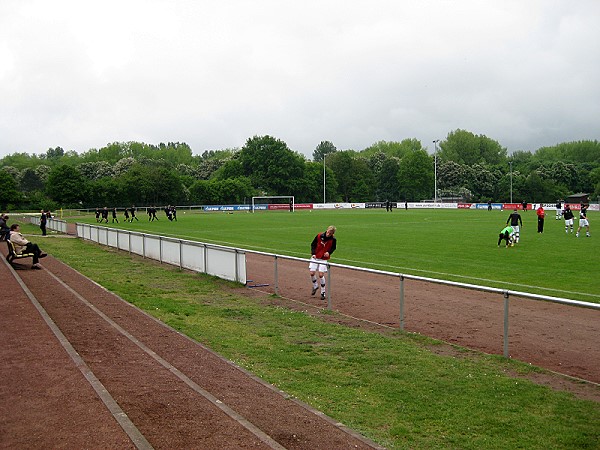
pixel 324 177
pixel 276 278
pixel 328 287
pixel 510 164
pixel 506 324
pixel 402 302
pixel 435 143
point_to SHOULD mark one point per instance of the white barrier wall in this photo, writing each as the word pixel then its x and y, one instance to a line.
pixel 52 224
pixel 224 262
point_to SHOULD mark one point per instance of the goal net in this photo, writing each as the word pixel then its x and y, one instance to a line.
pixel 278 202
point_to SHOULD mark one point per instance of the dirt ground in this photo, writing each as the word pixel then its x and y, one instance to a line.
pixel 171 392
pixel 556 337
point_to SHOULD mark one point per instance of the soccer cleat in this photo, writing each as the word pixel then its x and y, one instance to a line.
pixel 576 234
pixel 43 255
pixel 322 295
pixel 314 291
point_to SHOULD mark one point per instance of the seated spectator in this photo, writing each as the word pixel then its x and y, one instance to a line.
pixel 23 245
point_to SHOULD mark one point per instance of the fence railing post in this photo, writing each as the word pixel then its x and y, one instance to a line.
pixel 276 275
pixel 160 249
pixel 180 254
pixel 402 302
pixel 328 287
pixel 506 324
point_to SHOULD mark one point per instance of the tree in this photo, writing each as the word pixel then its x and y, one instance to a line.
pixel 452 176
pixel 43 171
pixel 55 153
pixel 228 191
pixel 323 149
pixel 363 187
pixel 154 185
pixel 271 165
pixel 416 176
pixel 9 194
pixel 96 170
pixel 230 169
pixel 66 186
pixel 387 180
pixel 314 184
pixel 341 165
pixel 536 189
pixel 464 147
pixel 107 191
pixel 123 165
pixel 573 152
pixel 392 148
pixel 30 181
pixel 482 181
pixel 354 177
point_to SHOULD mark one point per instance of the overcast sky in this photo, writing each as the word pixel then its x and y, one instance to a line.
pixel 80 74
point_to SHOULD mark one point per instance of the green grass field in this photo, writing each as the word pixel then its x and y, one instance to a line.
pixel 457 245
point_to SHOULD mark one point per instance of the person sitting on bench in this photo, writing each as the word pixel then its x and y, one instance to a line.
pixel 22 245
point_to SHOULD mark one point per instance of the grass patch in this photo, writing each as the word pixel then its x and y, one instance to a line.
pixel 390 387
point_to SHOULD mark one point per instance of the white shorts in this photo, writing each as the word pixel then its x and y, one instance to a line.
pixel 317 265
pixel 584 223
pixel 569 222
pixel 516 229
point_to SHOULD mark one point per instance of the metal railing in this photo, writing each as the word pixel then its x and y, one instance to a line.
pixel 224 262
pixel 505 293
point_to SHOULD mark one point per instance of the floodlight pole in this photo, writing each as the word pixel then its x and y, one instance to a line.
pixel 435 171
pixel 510 164
pixel 324 155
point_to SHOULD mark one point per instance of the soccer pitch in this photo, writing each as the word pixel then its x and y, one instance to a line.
pixel 457 245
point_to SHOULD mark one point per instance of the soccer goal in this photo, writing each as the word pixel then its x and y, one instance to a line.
pixel 277 202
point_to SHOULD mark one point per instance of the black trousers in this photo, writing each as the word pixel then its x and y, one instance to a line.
pixel 35 249
pixel 540 224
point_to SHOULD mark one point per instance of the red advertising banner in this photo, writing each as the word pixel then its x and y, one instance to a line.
pixel 514 206
pixel 286 206
pixel 464 206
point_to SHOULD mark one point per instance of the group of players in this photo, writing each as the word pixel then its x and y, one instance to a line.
pixel 511 233
pixel 130 214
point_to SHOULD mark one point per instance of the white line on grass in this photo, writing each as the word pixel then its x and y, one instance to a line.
pixel 466 277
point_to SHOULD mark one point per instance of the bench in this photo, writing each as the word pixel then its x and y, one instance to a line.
pixel 12 254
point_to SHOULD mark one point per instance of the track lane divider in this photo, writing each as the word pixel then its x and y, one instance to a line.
pixel 111 404
pixel 261 435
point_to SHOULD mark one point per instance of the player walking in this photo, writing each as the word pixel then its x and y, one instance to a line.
pixel 583 221
pixel 568 215
pixel 321 248
pixel 133 216
pixel 516 222
pixel 541 215
pixel 558 210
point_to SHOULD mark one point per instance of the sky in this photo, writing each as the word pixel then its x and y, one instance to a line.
pixel 80 75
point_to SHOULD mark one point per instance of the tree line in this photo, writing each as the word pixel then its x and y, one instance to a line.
pixel 467 166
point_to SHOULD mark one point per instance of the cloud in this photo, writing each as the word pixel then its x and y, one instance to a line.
pixel 212 74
